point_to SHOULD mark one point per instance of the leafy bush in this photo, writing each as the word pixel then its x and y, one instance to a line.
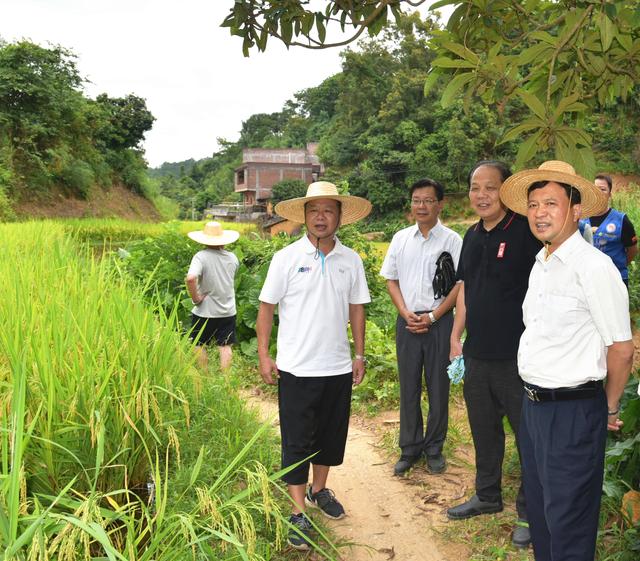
pixel 7 214
pixel 288 189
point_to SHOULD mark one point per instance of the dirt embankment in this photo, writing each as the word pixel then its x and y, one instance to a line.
pixel 116 202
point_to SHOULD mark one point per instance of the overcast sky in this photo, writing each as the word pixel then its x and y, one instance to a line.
pixel 174 54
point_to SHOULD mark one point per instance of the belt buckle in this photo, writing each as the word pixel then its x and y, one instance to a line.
pixel 531 393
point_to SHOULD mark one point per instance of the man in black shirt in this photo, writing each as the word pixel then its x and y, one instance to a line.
pixel 497 255
pixel 612 232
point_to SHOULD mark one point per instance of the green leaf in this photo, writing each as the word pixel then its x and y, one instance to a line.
pixel 322 30
pixel 626 41
pixel 493 51
pixel 307 23
pixel 585 163
pixel 461 51
pixel 533 103
pixel 516 131
pixel 442 4
pixel 378 24
pixel 286 30
pixel 527 150
pixel 533 53
pixel 197 467
pixel 544 37
pixel 454 86
pixel 607 31
pixel 430 82
pixel 446 62
pixel 568 105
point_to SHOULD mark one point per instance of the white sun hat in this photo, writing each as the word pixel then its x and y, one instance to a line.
pixel 213 234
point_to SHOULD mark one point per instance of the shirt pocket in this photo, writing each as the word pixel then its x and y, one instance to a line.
pixel 559 315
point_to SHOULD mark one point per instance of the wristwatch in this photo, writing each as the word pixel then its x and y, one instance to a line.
pixel 360 357
pixel 432 317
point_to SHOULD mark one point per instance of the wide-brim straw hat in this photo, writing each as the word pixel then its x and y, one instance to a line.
pixel 214 234
pixel 352 208
pixel 513 192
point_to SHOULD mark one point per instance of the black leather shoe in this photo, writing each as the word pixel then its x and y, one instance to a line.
pixel 521 537
pixel 404 464
pixel 473 507
pixel 436 463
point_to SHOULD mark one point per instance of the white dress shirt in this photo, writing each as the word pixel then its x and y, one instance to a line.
pixel 411 260
pixel 576 306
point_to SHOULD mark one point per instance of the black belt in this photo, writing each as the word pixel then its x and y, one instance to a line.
pixel 583 391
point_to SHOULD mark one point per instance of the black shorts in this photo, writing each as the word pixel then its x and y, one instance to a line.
pixel 314 419
pixel 222 330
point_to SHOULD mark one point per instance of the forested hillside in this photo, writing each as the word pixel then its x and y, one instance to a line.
pixel 54 139
pixel 378 131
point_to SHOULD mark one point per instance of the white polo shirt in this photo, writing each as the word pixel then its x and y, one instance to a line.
pixel 411 260
pixel 216 270
pixel 313 306
pixel 576 306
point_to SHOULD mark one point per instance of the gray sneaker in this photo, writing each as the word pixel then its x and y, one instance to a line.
pixel 326 501
pixel 299 532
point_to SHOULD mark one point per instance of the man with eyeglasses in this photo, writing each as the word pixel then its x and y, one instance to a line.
pixel 423 327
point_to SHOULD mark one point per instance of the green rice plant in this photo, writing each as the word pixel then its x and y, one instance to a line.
pixel 101 403
pixel 98 363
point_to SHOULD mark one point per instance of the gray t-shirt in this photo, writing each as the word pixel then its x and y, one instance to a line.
pixel 215 269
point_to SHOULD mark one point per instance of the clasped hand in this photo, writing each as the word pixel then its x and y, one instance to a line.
pixel 417 323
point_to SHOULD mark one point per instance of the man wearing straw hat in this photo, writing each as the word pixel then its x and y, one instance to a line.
pixel 319 287
pixel 210 284
pixel 577 334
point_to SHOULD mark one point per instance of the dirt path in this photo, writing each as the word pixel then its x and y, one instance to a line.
pixel 388 517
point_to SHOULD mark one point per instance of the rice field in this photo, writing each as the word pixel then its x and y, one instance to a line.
pixel 112 444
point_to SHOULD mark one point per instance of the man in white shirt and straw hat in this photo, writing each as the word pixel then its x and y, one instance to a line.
pixel 577 334
pixel 319 287
pixel 210 283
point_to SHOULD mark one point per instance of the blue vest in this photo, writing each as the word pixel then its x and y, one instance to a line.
pixel 608 239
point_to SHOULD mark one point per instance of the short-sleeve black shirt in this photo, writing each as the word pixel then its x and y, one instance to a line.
pixel 495 267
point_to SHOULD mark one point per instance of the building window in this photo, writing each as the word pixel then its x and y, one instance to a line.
pixel 240 177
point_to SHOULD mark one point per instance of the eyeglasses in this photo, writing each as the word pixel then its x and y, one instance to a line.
pixel 423 202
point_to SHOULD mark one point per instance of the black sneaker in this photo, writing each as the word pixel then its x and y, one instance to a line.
pixel 326 501
pixel 404 464
pixel 299 532
pixel 521 537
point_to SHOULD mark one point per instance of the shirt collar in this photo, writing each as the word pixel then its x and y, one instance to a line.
pixel 506 221
pixel 566 249
pixel 436 230
pixel 310 248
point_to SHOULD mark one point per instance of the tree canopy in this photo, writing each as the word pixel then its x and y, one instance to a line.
pixel 562 60
pixel 51 134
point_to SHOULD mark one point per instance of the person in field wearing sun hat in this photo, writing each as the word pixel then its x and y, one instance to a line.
pixel 210 283
pixel 574 358
pixel 319 287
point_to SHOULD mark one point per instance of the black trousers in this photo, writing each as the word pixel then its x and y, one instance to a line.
pixel 563 445
pixel 428 354
pixel 493 389
pixel 314 419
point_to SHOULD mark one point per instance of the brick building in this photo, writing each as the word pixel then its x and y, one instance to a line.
pixel 262 168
